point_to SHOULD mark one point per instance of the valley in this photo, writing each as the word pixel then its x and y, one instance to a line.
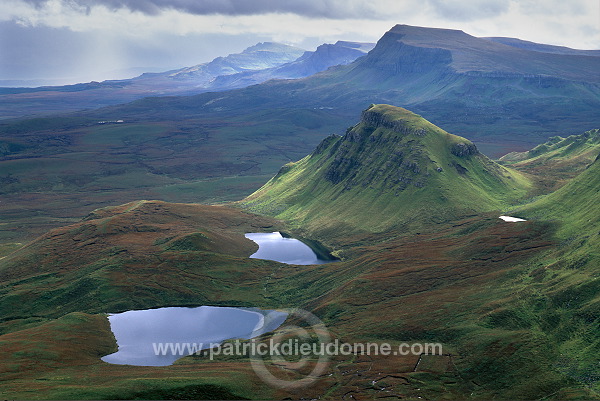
pixel 445 189
pixel 514 311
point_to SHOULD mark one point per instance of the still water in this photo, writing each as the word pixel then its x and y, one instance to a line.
pixel 138 332
pixel 273 246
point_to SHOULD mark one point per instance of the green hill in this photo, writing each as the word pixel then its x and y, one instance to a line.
pixel 568 273
pixel 557 160
pixel 574 208
pixel 392 169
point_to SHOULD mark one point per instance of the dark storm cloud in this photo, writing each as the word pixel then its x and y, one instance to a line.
pixel 460 10
pixel 337 9
pixel 40 51
pixel 48 54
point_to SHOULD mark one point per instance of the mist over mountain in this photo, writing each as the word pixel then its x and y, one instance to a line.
pixel 326 55
pixel 258 57
pixel 254 65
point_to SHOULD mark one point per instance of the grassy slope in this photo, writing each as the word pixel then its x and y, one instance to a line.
pixel 153 254
pixel 574 209
pixel 389 173
pixel 558 160
pixel 569 272
pixel 142 254
pixel 533 322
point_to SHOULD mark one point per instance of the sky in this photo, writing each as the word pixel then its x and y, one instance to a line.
pixel 69 41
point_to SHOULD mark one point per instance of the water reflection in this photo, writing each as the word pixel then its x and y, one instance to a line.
pixel 139 332
pixel 273 246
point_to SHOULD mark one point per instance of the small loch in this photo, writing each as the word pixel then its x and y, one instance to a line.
pixel 274 246
pixel 144 336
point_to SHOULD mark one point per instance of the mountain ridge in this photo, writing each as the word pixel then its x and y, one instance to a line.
pixel 260 56
pixel 325 56
pixel 254 65
pixel 540 47
pixel 558 160
pixel 510 61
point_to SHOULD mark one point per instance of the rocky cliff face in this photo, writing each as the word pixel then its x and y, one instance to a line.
pixel 464 149
pixel 379 140
pixel 395 56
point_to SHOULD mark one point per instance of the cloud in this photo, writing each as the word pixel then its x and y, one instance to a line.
pixel 460 10
pixel 557 7
pixel 333 9
pixel 41 52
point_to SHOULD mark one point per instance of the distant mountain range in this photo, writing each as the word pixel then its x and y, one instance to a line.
pixel 254 65
pixel 261 56
pixel 502 97
pixel 258 57
pixel 326 55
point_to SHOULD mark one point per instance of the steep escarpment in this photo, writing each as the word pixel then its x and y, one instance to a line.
pixel 464 53
pixel 395 56
pixel 392 169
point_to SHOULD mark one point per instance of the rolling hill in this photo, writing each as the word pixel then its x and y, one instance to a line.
pixel 394 165
pixel 574 207
pixel 119 258
pixel 557 160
